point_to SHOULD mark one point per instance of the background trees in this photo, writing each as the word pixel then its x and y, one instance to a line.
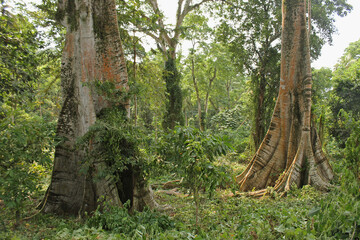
pixel 346 89
pixel 20 42
pixel 150 20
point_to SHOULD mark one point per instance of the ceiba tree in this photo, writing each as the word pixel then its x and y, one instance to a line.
pixel 291 150
pixel 92 52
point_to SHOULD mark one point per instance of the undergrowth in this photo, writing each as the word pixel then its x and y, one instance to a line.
pixel 304 214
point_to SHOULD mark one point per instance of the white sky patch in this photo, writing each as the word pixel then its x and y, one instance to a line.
pixel 348 31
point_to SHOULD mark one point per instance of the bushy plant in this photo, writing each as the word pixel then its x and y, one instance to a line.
pixel 117 219
pixel 337 215
pixel 26 147
pixel 114 141
pixel 191 153
pixel 352 143
pixel 352 148
pixel 234 126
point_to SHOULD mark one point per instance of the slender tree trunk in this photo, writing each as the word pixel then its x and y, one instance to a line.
pixel 214 105
pixel 135 97
pixel 291 150
pixel 206 107
pixel 228 88
pixel 260 111
pixel 92 52
pixel 198 100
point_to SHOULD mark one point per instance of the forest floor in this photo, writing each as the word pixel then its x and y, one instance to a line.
pixel 303 214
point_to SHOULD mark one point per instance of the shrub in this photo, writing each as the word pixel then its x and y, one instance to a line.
pixel 191 153
pixel 26 147
pixel 118 220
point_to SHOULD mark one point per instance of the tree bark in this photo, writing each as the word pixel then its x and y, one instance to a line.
pixel 206 107
pixel 92 52
pixel 260 110
pixel 198 99
pixel 291 150
pixel 173 114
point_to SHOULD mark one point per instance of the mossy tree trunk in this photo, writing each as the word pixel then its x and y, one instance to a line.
pixel 291 151
pixel 260 111
pixel 92 52
pixel 173 113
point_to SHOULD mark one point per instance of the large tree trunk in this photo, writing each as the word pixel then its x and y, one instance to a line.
pixel 291 151
pixel 92 52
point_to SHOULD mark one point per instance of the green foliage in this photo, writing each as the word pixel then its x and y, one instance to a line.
pixel 304 214
pixel 352 144
pixel 19 43
pixel 337 215
pixel 145 224
pixel 151 91
pixel 346 90
pixel 26 148
pixel 321 97
pixel 29 102
pixel 111 140
pixel 191 154
pixel 227 119
pixel 234 125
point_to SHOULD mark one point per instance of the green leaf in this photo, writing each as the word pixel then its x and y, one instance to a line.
pixel 314 211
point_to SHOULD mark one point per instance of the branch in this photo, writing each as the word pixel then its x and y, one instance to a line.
pixel 256 50
pixel 136 24
pixel 178 11
pixel 181 14
pixel 274 37
pixel 155 7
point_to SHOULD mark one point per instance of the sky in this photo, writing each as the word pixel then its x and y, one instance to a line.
pixel 348 31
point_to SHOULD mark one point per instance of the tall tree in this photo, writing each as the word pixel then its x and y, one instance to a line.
pixel 92 53
pixel 253 34
pixel 167 39
pixel 291 150
pixel 198 31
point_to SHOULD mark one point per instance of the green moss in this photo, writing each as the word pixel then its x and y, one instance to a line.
pixel 59 15
pixel 173 114
pixel 98 23
pixel 72 15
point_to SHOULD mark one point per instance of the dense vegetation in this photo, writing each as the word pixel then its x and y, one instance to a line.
pixel 191 166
